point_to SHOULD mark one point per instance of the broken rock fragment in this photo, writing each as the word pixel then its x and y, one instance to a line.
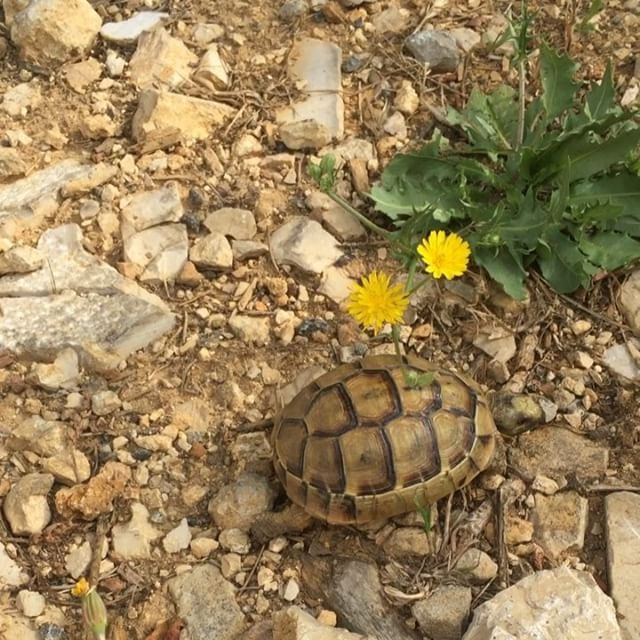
pixel 316 120
pixel 437 49
pixel 303 243
pixel 194 118
pixel 161 60
pixel 160 251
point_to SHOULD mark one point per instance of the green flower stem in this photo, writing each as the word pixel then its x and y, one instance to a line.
pixel 363 219
pixel 395 334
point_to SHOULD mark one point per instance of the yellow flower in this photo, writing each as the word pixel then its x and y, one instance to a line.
pixel 375 301
pixel 444 255
pixel 81 588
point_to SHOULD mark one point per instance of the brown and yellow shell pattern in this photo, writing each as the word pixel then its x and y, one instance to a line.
pixel 359 444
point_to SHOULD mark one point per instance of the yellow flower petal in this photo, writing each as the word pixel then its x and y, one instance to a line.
pixel 444 255
pixel 81 588
pixel 376 301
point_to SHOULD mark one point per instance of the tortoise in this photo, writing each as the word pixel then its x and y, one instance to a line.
pixel 360 444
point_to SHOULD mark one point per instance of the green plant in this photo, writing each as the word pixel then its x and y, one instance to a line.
pixel 552 184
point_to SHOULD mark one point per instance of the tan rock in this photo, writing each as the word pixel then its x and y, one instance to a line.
pixel 408 541
pixel 193 117
pixel 561 604
pixel 49 32
pixel 295 624
pixel 81 74
pixel 96 497
pixel 161 60
pixel 213 71
pixel 97 127
pixel 560 522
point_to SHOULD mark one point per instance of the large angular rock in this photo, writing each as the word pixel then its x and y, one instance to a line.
pixel 303 243
pixel 49 32
pixel 161 60
pixel 206 602
pixel 623 552
pixel 80 302
pixel 160 251
pixel 318 119
pixel 558 453
pixel 194 118
pixel 559 604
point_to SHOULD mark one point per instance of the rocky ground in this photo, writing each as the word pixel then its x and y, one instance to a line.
pixel 169 274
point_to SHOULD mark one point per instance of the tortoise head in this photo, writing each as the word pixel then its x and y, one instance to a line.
pixel 515 413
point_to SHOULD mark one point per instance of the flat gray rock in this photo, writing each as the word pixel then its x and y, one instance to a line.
pixel 77 301
pixel 160 251
pixel 303 243
pixel 623 552
pixel 560 604
pixel 207 604
pixel 558 453
pixel 239 224
pixel 150 208
pixel 353 590
pixel 437 49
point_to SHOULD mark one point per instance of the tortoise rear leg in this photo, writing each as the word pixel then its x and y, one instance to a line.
pixel 292 519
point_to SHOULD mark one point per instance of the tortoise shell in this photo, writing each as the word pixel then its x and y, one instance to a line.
pixel 358 444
